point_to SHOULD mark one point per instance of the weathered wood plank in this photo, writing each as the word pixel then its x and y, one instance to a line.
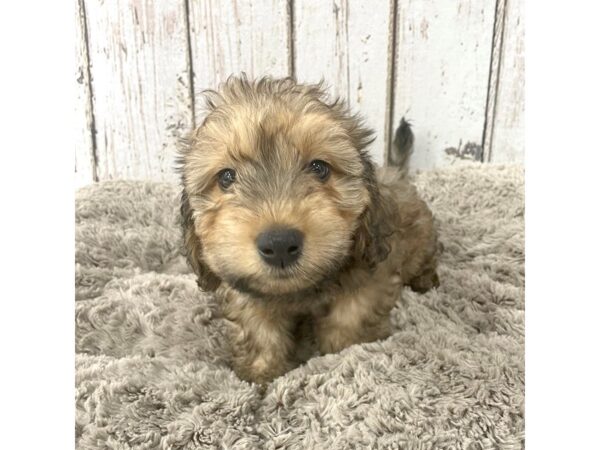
pixel 140 84
pixel 84 145
pixel 345 42
pixel 233 36
pixel 507 137
pixel 442 69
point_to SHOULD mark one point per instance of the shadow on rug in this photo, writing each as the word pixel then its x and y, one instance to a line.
pixel 152 367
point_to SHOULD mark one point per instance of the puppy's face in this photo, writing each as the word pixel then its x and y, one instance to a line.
pixel 276 188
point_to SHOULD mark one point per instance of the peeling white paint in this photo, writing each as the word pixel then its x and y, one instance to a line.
pixel 147 59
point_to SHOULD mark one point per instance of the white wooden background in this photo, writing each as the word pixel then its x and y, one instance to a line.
pixel 455 69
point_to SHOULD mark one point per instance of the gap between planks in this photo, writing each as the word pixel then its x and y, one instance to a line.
pixel 190 62
pixel 291 39
pixel 494 79
pixel 90 92
pixel 391 82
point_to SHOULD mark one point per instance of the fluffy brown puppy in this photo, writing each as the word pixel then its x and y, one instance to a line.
pixel 286 218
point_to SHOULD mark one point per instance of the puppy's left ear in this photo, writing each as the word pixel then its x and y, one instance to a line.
pixel 371 244
pixel 192 244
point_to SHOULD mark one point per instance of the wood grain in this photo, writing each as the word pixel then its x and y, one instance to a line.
pixel 507 134
pixel 442 67
pixel 84 124
pixel 233 36
pixel 141 88
pixel 345 42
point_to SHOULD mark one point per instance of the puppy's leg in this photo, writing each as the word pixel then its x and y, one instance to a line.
pixel 359 315
pixel 261 339
pixel 421 247
pixel 420 271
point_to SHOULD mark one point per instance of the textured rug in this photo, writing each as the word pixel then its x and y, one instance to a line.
pixel 151 365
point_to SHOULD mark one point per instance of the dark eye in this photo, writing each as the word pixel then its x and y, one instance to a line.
pixel 320 169
pixel 226 178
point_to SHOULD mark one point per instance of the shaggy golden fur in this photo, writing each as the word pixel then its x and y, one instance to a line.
pixel 366 232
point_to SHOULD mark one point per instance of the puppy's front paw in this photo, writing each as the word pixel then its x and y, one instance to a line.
pixel 260 370
pixel 260 357
pixel 334 339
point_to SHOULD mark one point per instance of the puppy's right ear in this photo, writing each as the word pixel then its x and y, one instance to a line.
pixel 192 245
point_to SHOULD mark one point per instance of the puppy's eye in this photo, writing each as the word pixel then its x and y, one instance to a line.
pixel 320 169
pixel 226 178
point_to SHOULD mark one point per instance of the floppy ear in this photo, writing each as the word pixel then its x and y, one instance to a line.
pixel 192 246
pixel 371 237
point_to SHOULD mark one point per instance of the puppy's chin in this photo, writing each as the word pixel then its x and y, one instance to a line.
pixel 280 285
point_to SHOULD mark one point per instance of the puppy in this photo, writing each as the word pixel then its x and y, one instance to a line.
pixel 286 218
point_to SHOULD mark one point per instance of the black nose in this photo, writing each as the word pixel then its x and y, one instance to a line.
pixel 280 248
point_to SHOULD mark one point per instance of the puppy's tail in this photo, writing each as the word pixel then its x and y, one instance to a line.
pixel 402 146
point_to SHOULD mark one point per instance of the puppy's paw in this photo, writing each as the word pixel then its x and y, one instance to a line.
pixel 425 282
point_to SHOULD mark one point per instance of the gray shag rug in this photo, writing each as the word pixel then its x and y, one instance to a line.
pixel 152 367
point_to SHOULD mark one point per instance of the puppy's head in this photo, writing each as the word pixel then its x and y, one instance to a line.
pixel 278 190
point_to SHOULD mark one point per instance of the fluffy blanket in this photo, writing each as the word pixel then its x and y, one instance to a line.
pixel 152 369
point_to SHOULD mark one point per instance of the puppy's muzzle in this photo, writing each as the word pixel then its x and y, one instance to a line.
pixel 280 247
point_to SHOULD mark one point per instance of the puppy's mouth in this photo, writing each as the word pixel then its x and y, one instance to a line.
pixel 281 284
pixel 274 281
pixel 284 291
pixel 289 283
pixel 284 272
